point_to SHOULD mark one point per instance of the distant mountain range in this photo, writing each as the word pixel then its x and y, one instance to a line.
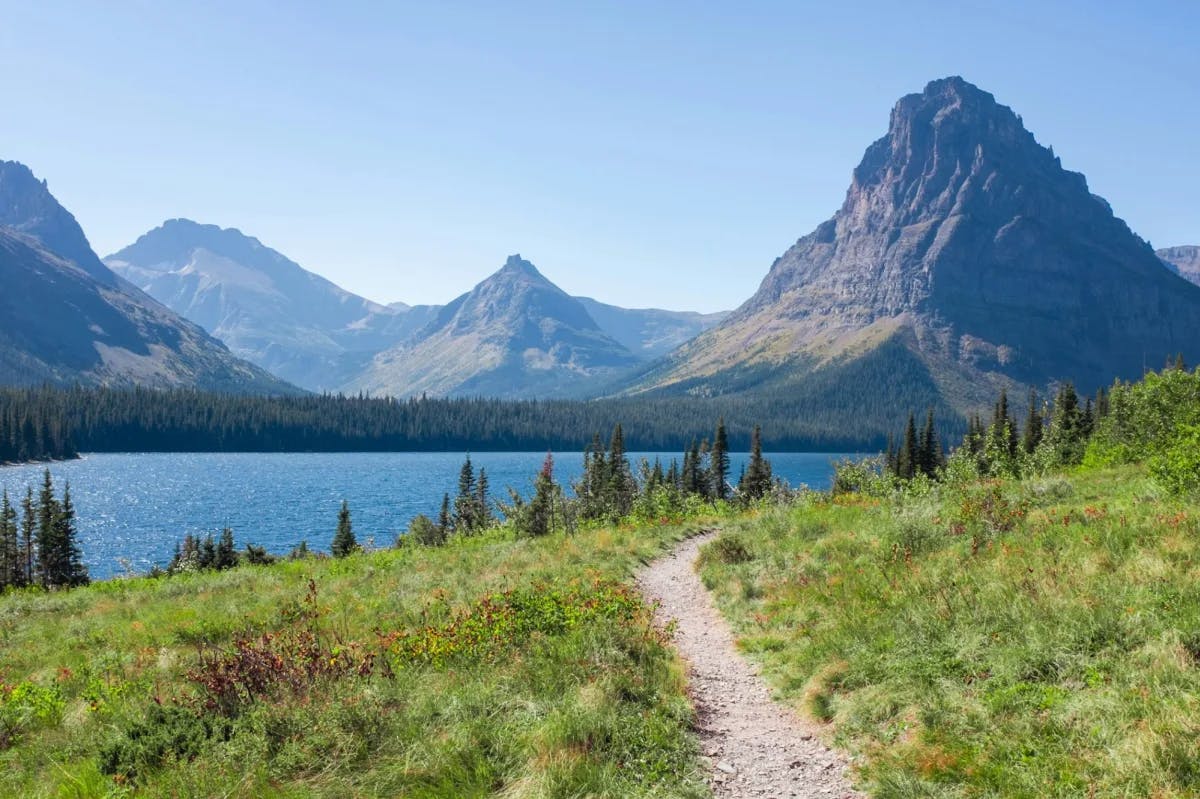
pixel 65 318
pixel 1183 261
pixel 307 330
pixel 964 258
pixel 265 307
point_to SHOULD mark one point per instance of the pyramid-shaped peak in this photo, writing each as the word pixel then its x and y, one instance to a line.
pixel 515 263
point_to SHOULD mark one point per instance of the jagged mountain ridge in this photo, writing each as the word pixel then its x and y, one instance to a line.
pixel 1183 261
pixel 966 241
pixel 303 327
pixel 515 334
pixel 264 306
pixel 65 318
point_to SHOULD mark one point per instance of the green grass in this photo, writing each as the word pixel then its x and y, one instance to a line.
pixel 496 667
pixel 1032 639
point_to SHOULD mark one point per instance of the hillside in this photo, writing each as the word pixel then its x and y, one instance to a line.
pixel 515 334
pixel 649 332
pixel 65 318
pixel 964 243
pixel 263 306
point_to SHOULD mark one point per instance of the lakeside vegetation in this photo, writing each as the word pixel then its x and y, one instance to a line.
pixel 504 655
pixel 1025 624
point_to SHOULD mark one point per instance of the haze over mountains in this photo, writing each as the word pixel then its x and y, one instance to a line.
pixel 265 307
pixel 302 327
pixel 1183 261
pixel 964 257
pixel 65 318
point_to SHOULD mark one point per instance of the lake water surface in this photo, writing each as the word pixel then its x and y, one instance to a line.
pixel 133 508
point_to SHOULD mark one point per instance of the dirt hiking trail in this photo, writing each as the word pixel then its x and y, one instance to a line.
pixel 754 746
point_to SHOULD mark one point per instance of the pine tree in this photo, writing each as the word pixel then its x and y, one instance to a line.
pixel 465 518
pixel 756 479
pixel 692 482
pixel 1033 426
pixel 930 450
pixel 10 552
pixel 28 539
pixel 74 572
pixel 226 555
pixel 208 553
pixel 910 457
pixel 540 518
pixel 445 520
pixel 719 462
pixel 483 506
pixel 621 488
pixel 48 546
pixel 344 542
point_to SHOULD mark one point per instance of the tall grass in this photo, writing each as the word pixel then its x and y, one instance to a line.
pixel 999 639
pixel 567 691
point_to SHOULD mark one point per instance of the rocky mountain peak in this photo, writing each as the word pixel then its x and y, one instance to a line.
pixel 964 242
pixel 515 265
pixel 28 207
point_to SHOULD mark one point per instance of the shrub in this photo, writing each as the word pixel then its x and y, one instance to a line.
pixel 26 706
pixel 167 733
pixel 1177 466
pixel 731 549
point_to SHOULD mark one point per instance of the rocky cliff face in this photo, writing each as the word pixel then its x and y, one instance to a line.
pixel 515 334
pixel 65 318
pixel 1183 261
pixel 965 240
pixel 265 307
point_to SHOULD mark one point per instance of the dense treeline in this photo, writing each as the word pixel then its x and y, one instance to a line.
pixel 50 422
pixel 32 428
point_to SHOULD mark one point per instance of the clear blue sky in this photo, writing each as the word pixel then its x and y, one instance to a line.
pixel 643 153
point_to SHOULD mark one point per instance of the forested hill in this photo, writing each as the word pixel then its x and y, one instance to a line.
pixel 50 422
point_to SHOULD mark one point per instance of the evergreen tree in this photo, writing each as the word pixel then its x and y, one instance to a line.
pixel 756 479
pixel 208 553
pixel 692 482
pixel 71 567
pixel 226 555
pixel 344 542
pixel 10 550
pixel 46 543
pixel 540 518
pixel 445 520
pixel 930 450
pixel 28 539
pixel 483 505
pixel 621 488
pixel 719 462
pixel 910 458
pixel 1033 426
pixel 466 504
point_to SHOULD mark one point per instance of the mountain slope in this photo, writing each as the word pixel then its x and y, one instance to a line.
pixel 515 334
pixel 1183 261
pixel 265 307
pixel 964 241
pixel 65 318
pixel 649 332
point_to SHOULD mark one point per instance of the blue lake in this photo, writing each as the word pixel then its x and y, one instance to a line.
pixel 133 508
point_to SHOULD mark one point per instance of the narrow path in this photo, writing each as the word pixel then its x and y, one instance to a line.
pixel 757 747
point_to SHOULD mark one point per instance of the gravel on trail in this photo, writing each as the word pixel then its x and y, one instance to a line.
pixel 754 747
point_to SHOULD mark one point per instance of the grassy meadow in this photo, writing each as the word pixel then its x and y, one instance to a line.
pixel 996 638
pixel 493 666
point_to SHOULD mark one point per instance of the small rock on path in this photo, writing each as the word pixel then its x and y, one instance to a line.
pixel 754 746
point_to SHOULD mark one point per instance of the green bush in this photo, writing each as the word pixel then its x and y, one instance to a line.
pixel 1177 466
pixel 166 734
